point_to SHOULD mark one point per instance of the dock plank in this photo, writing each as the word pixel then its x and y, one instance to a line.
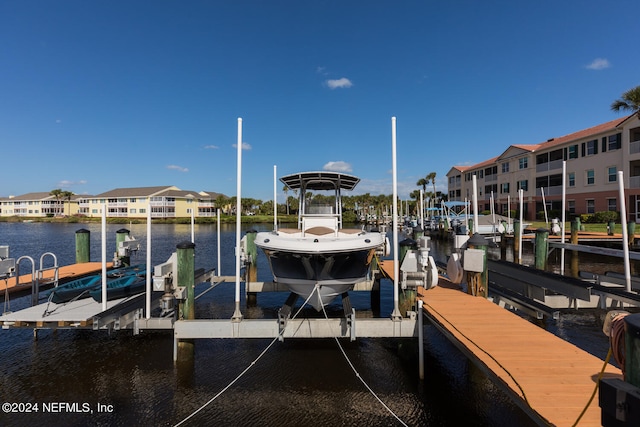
pixel 549 378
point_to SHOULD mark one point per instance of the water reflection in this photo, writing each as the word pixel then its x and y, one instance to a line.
pixel 297 382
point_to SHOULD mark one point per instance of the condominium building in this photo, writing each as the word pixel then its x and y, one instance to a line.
pixel 164 202
pixel 592 159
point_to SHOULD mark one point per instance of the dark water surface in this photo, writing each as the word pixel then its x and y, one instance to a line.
pixel 88 378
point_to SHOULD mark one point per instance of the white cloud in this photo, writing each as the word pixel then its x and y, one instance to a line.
pixel 339 83
pixel 65 183
pixel 177 168
pixel 245 146
pixel 337 167
pixel 211 147
pixel 599 64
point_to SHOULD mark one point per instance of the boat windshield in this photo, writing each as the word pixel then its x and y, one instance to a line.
pixel 320 209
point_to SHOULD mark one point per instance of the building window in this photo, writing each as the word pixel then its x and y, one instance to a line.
pixel 523 185
pixel 591 206
pixel 504 188
pixel 573 151
pixel 505 167
pixel 571 206
pixel 612 205
pixel 523 163
pixel 591 177
pixel 612 174
pixel 592 147
pixel 572 179
pixel 615 141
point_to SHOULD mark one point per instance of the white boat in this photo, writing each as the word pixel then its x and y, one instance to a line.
pixel 320 259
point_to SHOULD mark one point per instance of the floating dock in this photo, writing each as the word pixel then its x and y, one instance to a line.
pixel 550 379
pixel 66 273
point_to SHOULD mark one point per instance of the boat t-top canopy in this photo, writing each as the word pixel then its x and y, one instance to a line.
pixel 320 181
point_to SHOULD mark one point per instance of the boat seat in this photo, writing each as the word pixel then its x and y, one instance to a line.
pixel 288 230
pixel 350 230
pixel 319 231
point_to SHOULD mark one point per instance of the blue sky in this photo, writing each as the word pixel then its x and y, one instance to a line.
pixel 96 95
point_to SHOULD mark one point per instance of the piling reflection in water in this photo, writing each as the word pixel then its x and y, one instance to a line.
pixel 297 382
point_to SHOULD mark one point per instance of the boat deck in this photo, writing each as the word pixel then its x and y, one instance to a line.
pixel 550 379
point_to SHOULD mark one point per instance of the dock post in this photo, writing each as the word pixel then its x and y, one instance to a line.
pixel 252 266
pixel 631 229
pixel 83 239
pixel 516 242
pixel 632 349
pixel 375 294
pixel 405 246
pixel 575 228
pixel 503 241
pixel 420 341
pixel 121 236
pixel 542 248
pixel 481 279
pixel 186 279
pixel 418 232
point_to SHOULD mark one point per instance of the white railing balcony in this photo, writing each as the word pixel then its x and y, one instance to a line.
pixel 634 181
pixel 555 164
pixel 634 147
pixel 490 178
pixel 550 191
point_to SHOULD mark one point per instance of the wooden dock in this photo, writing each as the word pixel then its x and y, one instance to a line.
pixel 550 379
pixel 66 273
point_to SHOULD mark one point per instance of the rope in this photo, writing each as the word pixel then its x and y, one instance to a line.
pixel 248 367
pixel 46 309
pixel 616 340
pixel 595 390
pixel 355 371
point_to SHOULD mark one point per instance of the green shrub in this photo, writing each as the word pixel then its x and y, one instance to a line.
pixel 606 216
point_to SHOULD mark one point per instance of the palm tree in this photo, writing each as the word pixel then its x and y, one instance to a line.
pixel 66 195
pixel 630 101
pixel 57 193
pixel 422 182
pixel 431 177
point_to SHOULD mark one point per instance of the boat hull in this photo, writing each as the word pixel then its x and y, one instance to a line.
pixel 326 267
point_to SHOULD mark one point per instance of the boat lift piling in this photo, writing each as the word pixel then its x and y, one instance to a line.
pixel 250 252
pixel 542 248
pixel 186 286
pixel 83 239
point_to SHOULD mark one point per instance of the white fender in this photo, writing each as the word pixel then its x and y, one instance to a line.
pixel 387 247
pixel 454 269
pixel 501 229
pixel 432 274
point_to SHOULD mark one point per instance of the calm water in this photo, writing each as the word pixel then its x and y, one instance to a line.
pixel 296 382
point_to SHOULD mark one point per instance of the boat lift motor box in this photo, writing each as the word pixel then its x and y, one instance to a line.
pixel 473 260
pixel 620 403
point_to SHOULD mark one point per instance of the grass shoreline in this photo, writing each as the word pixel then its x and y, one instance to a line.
pixel 248 219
